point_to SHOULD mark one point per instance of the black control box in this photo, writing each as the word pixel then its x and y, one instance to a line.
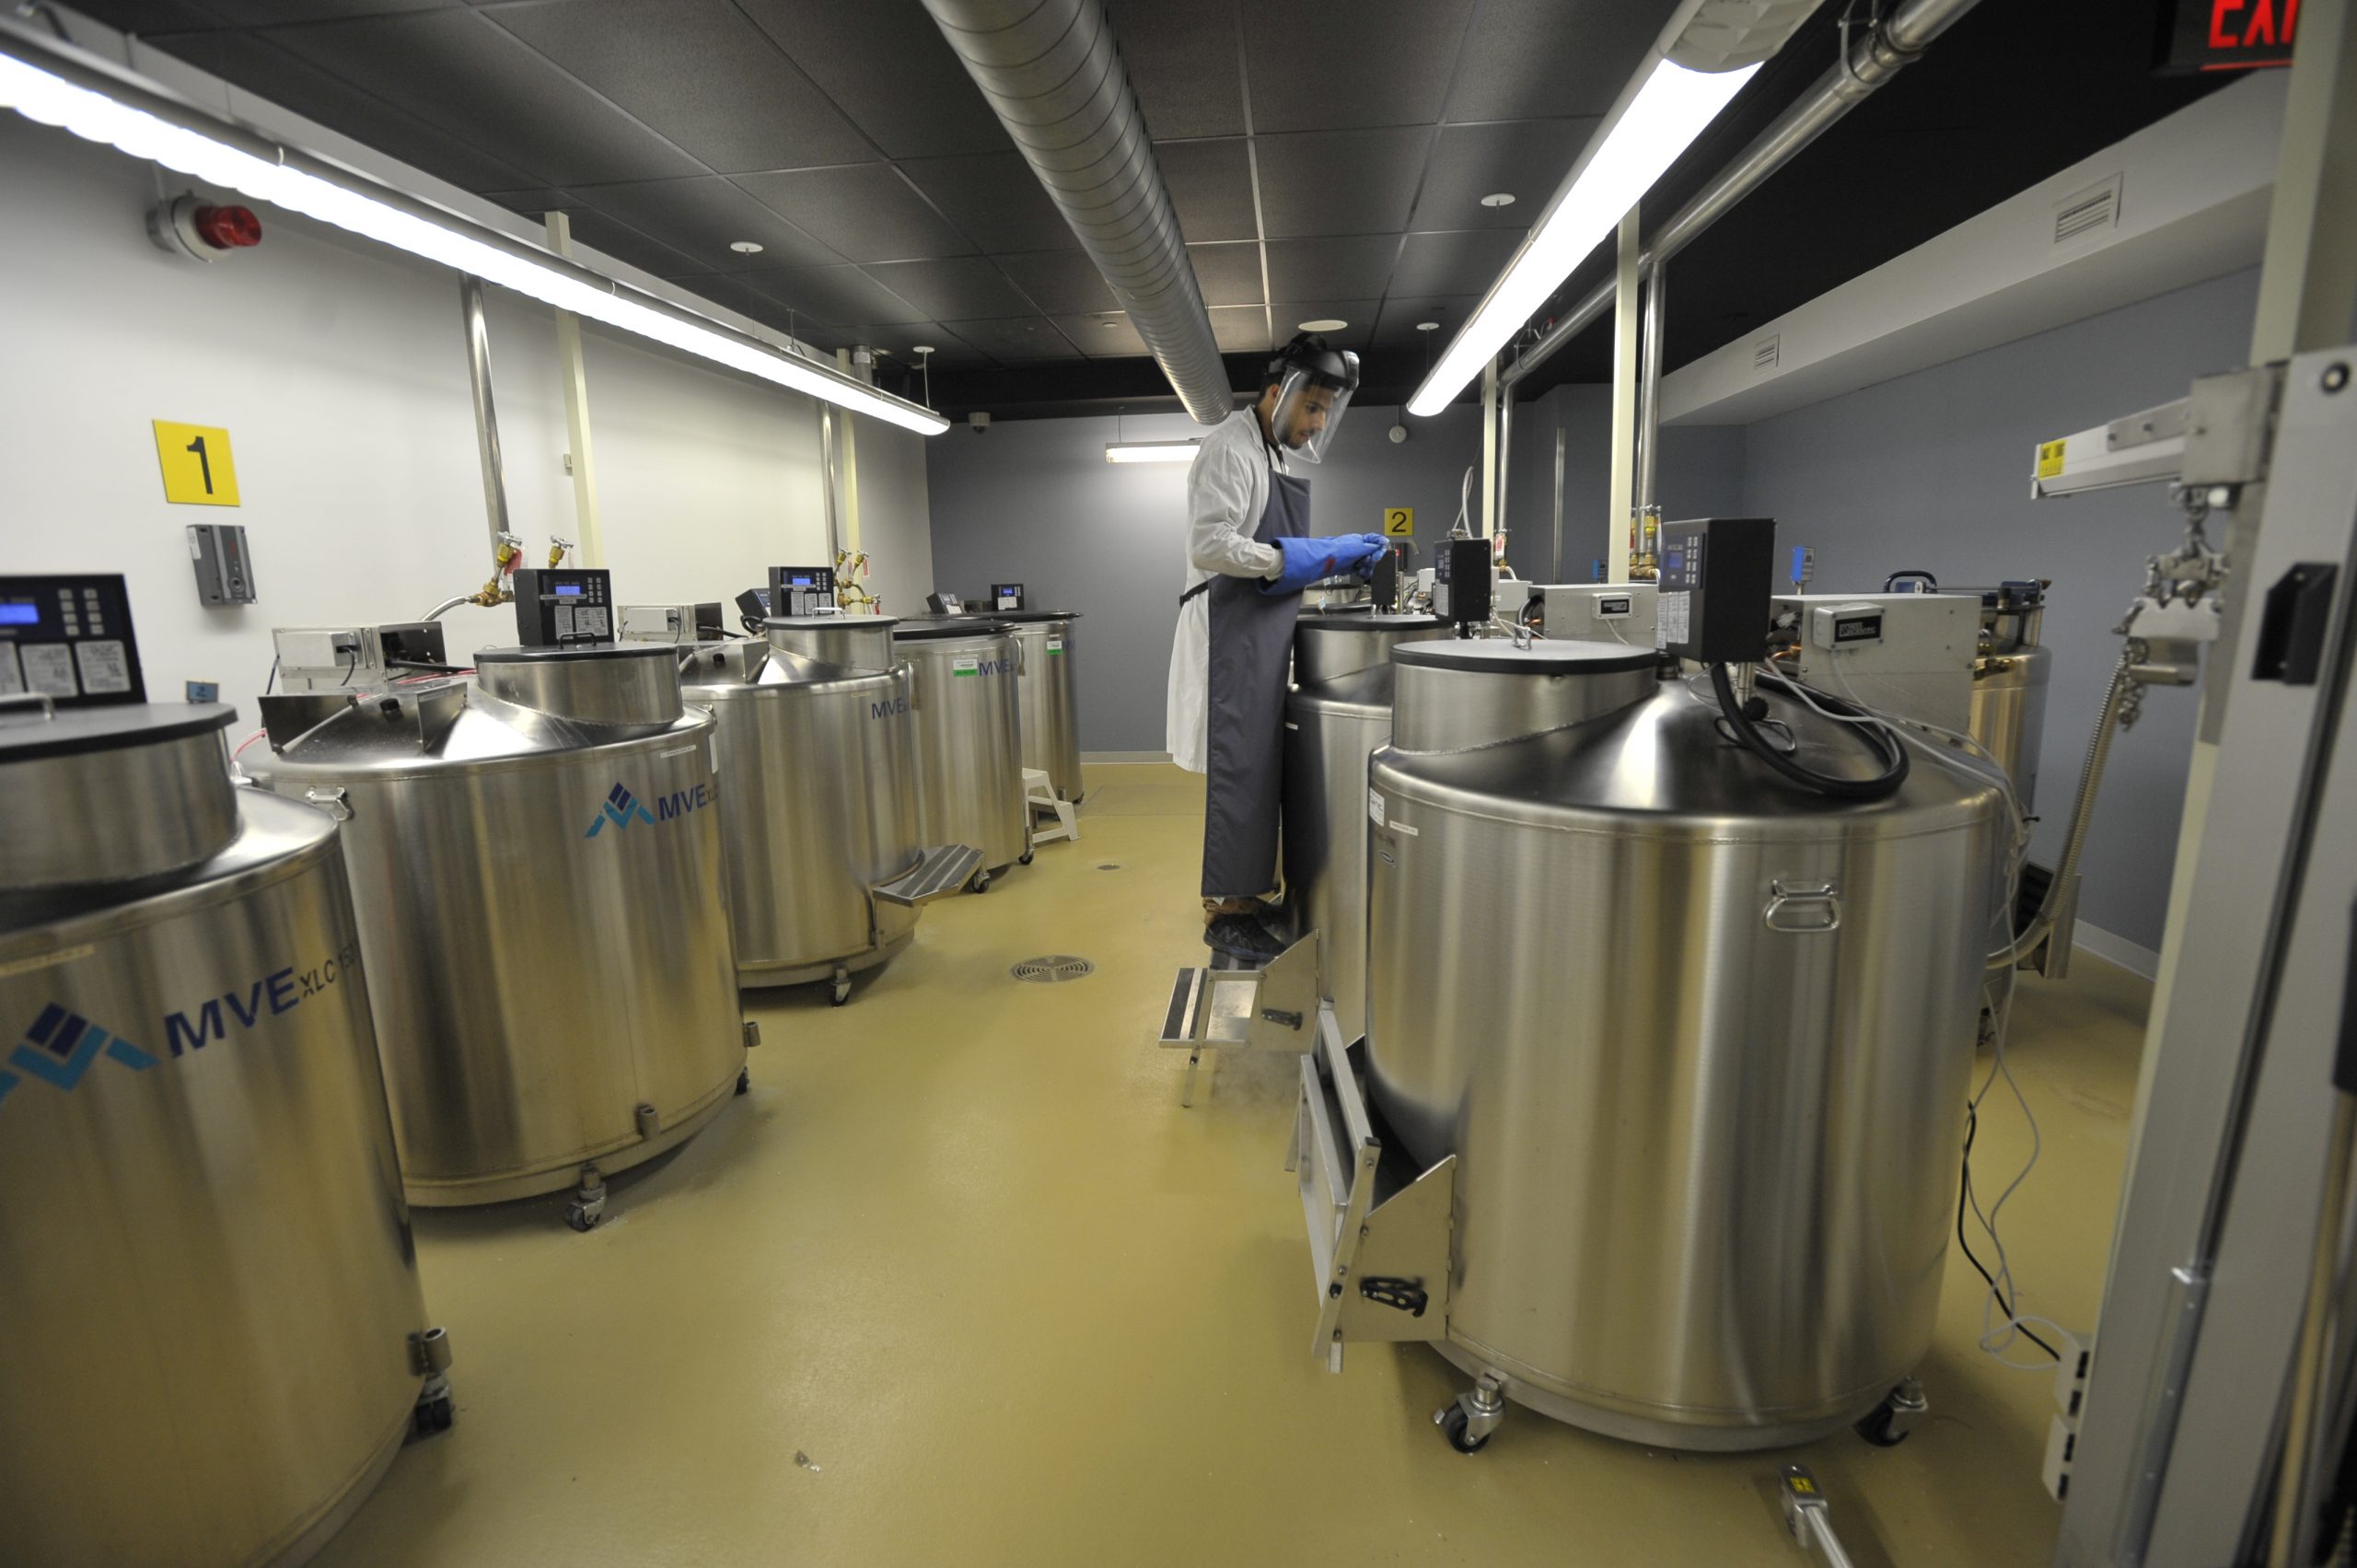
pixel 1398 561
pixel 1006 596
pixel 802 590
pixel 559 607
pixel 1717 575
pixel 68 638
pixel 1462 567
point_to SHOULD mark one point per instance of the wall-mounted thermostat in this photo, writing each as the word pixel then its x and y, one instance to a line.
pixel 225 573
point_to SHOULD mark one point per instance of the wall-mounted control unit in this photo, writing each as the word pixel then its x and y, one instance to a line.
pixel 357 659
pixel 802 590
pixel 225 573
pixel 68 638
pixel 555 607
pixel 1910 653
pixel 1716 576
pixel 672 623
pixel 1006 596
pixel 1601 612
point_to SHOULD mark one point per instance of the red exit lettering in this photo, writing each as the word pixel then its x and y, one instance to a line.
pixel 2258 27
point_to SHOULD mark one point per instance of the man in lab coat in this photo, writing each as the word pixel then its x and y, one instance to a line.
pixel 1249 557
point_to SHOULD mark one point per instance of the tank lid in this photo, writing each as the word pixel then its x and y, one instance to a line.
pixel 74 731
pixel 826 620
pixel 581 653
pixel 934 631
pixel 1497 657
pixel 1368 622
pixel 1024 617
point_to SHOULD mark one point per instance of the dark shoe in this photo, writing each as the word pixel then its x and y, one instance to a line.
pixel 1241 936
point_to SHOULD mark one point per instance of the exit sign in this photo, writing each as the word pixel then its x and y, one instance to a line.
pixel 2230 35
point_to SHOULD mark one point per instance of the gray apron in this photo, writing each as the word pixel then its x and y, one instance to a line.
pixel 1251 656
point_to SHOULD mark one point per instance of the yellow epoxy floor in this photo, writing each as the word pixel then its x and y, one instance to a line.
pixel 961 1283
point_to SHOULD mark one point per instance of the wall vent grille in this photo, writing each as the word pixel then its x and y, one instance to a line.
pixel 2091 211
pixel 1765 352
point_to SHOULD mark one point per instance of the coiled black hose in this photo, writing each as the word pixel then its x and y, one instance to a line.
pixel 1885 744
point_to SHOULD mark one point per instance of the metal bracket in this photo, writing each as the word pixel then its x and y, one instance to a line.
pixel 332 801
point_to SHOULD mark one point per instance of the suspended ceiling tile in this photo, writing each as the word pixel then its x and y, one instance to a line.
pixel 701 218
pixel 958 288
pixel 1228 274
pixel 1058 281
pixel 900 341
pixel 1355 266
pixel 266 12
pixel 1241 329
pixel 1182 62
pixel 1323 65
pixel 485 87
pixel 1462 261
pixel 262 68
pixel 834 296
pixel 866 211
pixel 994 200
pixel 1016 340
pixel 885 63
pixel 1211 187
pixel 1104 336
pixel 623 243
pixel 1357 317
pixel 731 290
pixel 1340 181
pixel 1397 321
pixel 147 17
pixel 1523 158
pixel 697 71
pixel 1534 59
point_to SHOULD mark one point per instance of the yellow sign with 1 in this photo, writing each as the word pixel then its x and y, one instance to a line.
pixel 1399 522
pixel 198 469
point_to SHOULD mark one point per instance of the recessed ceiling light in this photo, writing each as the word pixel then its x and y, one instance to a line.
pixel 1323 324
pixel 745 247
pixel 924 348
pixel 1498 199
pixel 1428 326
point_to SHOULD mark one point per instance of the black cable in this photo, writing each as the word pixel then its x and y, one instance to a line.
pixel 1962 1197
pixel 274 679
pixel 1888 746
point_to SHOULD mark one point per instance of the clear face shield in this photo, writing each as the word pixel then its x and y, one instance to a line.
pixel 1308 408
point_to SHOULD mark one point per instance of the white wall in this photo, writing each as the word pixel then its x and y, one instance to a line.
pixel 339 369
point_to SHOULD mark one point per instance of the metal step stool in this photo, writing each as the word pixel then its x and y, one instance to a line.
pixel 1040 796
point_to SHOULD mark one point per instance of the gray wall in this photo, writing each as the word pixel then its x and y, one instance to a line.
pixel 1701 475
pixel 1931 470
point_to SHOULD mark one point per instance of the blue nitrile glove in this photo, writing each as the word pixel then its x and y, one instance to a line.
pixel 1363 564
pixel 1307 561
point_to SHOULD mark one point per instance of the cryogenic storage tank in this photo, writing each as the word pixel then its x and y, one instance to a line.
pixel 1697 1040
pixel 969 740
pixel 1339 710
pixel 1043 699
pixel 215 1340
pixel 2009 682
pixel 825 869
pixel 536 860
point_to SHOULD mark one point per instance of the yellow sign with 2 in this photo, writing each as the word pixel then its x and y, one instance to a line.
pixel 1399 522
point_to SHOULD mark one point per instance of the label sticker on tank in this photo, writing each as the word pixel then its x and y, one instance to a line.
pixel 1406 828
pixel 105 666
pixel 49 670
pixel 1374 806
pixel 1675 613
pixel 965 664
pixel 12 675
pixel 1055 644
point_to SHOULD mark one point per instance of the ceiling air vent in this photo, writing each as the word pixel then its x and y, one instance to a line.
pixel 1764 352
pixel 2091 211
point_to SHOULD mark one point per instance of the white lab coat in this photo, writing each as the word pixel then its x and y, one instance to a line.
pixel 1227 488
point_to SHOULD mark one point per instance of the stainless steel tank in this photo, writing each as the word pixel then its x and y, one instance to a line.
pixel 1699 1041
pixel 215 1340
pixel 1339 710
pixel 817 765
pixel 1043 689
pixel 536 858
pixel 969 740
pixel 2010 679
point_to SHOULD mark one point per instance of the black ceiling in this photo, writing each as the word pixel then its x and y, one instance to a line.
pixel 1327 157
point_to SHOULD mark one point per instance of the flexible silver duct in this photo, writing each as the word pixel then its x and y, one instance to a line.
pixel 1871 61
pixel 1053 76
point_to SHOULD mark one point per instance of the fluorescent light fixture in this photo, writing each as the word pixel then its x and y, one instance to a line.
pixel 146 123
pixel 1151 451
pixel 1652 128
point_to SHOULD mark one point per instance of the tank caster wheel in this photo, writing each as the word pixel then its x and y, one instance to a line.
pixel 1452 1421
pixel 839 991
pixel 1887 1424
pixel 588 1205
pixel 1026 857
pixel 436 1409
pixel 744 1080
pixel 978 883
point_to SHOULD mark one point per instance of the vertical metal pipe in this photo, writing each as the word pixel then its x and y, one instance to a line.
pixel 1617 553
pixel 1489 523
pixel 494 482
pixel 1506 458
pixel 827 478
pixel 1555 565
pixel 573 368
pixel 1649 393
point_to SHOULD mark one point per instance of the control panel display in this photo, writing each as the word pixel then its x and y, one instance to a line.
pixel 558 607
pixel 68 638
pixel 1006 596
pixel 802 590
pixel 1716 582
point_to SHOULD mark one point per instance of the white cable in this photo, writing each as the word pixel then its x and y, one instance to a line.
pixel 1463 526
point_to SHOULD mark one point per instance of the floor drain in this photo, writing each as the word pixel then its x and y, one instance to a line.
pixel 1053 969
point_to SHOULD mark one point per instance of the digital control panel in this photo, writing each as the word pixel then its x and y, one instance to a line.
pixel 1463 582
pixel 1006 596
pixel 556 607
pixel 1716 577
pixel 802 590
pixel 68 638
